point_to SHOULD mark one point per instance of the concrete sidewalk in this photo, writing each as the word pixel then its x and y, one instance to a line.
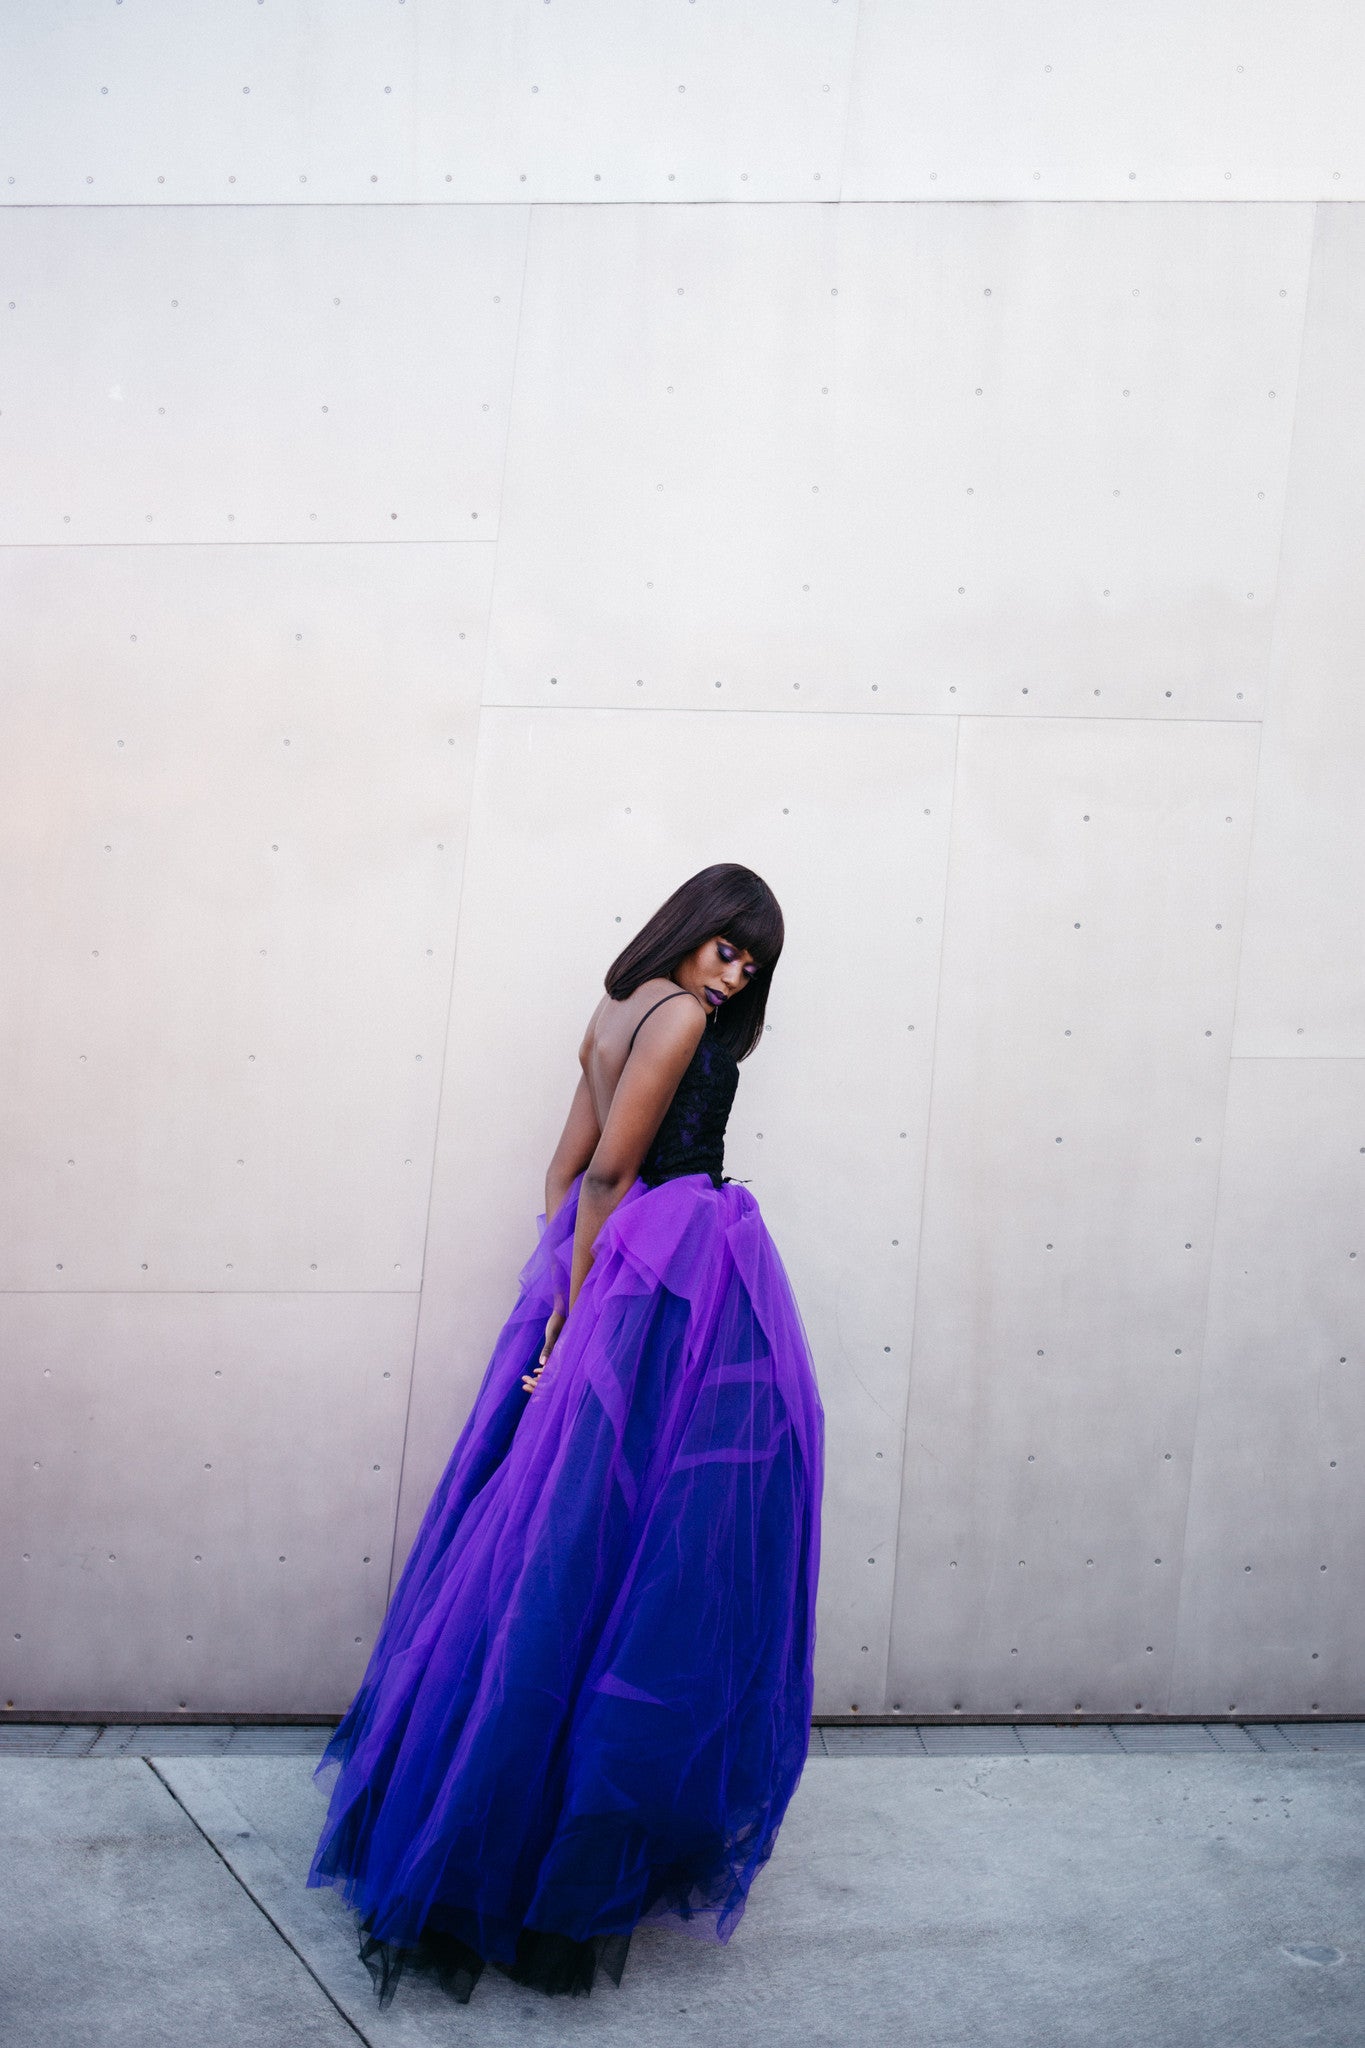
pixel 964 1888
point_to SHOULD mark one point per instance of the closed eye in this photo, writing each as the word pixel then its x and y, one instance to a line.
pixel 728 952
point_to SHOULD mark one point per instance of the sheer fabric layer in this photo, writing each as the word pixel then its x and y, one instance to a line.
pixel 589 1703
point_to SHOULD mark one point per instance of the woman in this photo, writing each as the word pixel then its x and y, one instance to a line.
pixel 589 1703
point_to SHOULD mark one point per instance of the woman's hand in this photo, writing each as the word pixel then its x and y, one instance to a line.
pixel 552 1329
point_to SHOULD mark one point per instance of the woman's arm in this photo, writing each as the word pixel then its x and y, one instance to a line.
pixel 611 1158
pixel 657 1062
pixel 577 1143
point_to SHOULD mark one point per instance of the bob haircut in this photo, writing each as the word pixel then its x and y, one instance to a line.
pixel 722 902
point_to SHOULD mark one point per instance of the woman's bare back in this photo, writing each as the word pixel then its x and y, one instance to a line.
pixel 606 1042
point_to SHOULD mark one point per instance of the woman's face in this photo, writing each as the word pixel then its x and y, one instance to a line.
pixel 716 971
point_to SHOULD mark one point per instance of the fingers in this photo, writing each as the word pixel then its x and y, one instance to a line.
pixel 530 1380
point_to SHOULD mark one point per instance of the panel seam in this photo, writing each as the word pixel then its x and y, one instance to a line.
pixel 923 1207
pixel 262 1909
pixel 1182 1585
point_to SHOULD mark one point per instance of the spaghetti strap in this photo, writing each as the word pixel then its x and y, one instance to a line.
pixel 650 1012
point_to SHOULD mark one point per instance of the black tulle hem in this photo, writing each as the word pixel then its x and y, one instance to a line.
pixel 548 1962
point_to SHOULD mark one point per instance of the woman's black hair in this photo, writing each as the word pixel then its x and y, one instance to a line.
pixel 722 902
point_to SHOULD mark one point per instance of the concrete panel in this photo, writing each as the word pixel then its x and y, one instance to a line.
pixel 515 99
pixel 200 1496
pixel 1274 1586
pixel 1138 99
pixel 949 459
pixel 248 373
pixel 123 1926
pixel 1007 1902
pixel 232 809
pixel 583 822
pixel 338 101
pixel 1090 959
pixel 1302 989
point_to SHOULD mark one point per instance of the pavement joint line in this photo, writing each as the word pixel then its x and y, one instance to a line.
pixel 261 1908
pixel 99 1741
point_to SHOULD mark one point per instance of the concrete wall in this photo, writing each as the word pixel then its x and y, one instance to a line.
pixel 466 467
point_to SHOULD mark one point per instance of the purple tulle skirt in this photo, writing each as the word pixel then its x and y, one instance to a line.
pixel 589 1703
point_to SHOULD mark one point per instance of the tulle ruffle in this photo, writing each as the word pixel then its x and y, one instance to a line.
pixel 547 1962
pixel 589 1703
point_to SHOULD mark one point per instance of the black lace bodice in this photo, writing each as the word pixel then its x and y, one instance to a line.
pixel 691 1138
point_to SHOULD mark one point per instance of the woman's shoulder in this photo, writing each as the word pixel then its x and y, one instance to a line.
pixel 648 992
pixel 657 991
pixel 615 1021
